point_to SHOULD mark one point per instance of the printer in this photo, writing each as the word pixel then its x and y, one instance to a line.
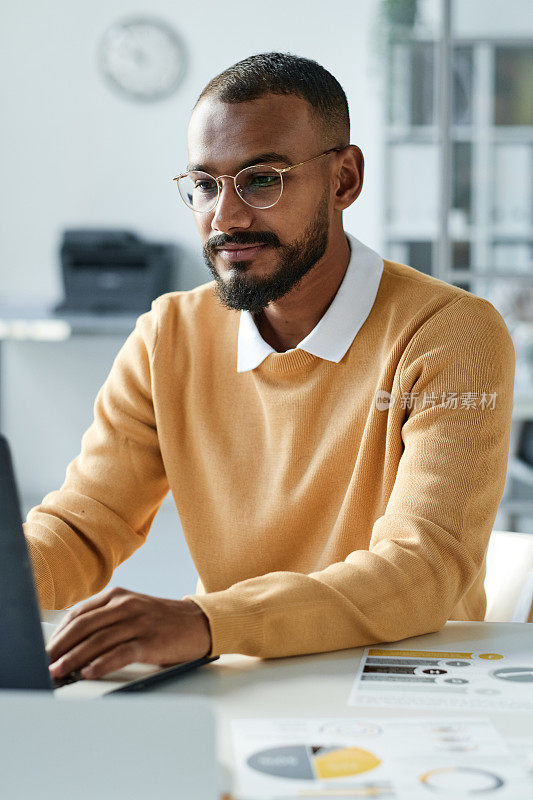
pixel 110 271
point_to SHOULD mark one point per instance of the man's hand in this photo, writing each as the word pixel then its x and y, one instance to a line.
pixel 118 627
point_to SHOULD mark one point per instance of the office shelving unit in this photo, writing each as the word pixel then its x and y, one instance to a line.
pixel 459 188
pixel 490 216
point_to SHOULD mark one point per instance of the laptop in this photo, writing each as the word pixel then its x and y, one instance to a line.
pixel 132 747
pixel 24 661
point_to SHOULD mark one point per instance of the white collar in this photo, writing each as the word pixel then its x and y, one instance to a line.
pixel 335 331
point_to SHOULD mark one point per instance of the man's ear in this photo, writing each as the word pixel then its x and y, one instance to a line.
pixel 349 178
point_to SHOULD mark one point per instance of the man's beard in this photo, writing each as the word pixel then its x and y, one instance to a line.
pixel 251 293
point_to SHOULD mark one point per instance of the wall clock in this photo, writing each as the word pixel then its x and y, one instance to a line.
pixel 142 58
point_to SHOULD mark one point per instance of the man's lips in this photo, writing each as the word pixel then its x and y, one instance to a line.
pixel 240 252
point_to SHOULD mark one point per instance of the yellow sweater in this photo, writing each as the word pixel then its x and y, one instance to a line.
pixel 318 518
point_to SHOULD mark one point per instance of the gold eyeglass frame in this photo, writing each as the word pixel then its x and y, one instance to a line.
pixel 280 170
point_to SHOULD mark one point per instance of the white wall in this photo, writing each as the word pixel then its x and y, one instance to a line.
pixel 72 153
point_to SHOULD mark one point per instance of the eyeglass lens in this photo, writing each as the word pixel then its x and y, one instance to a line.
pixel 259 186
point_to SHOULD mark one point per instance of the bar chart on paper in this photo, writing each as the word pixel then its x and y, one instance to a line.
pixel 392 677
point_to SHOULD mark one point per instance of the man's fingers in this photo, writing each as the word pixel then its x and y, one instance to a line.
pixel 120 656
pixel 80 628
pixel 91 603
pixel 95 646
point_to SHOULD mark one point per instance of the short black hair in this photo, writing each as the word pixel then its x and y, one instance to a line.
pixel 285 73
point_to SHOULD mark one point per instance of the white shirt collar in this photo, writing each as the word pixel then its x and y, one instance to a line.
pixel 335 331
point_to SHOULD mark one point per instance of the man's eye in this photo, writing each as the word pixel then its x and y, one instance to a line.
pixel 264 180
pixel 205 186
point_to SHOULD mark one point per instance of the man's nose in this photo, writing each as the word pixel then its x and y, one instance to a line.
pixel 231 211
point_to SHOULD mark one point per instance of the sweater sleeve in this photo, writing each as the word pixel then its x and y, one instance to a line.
pixel 428 546
pixel 103 511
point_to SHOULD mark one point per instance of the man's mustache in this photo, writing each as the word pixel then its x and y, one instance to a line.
pixel 243 237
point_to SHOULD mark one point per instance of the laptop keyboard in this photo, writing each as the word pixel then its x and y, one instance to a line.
pixel 72 677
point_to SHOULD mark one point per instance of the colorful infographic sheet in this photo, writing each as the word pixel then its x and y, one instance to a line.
pixel 389 676
pixel 402 758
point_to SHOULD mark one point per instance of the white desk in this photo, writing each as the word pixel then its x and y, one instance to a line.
pixel 319 685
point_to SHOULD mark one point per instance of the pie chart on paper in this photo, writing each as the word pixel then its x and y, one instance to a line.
pixel 463 780
pixel 514 674
pixel 313 762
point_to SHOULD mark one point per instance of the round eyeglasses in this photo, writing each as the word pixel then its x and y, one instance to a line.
pixel 259 186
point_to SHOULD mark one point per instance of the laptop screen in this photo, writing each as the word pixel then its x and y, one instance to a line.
pixel 23 659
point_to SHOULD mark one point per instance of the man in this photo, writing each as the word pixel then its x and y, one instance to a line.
pixel 334 427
